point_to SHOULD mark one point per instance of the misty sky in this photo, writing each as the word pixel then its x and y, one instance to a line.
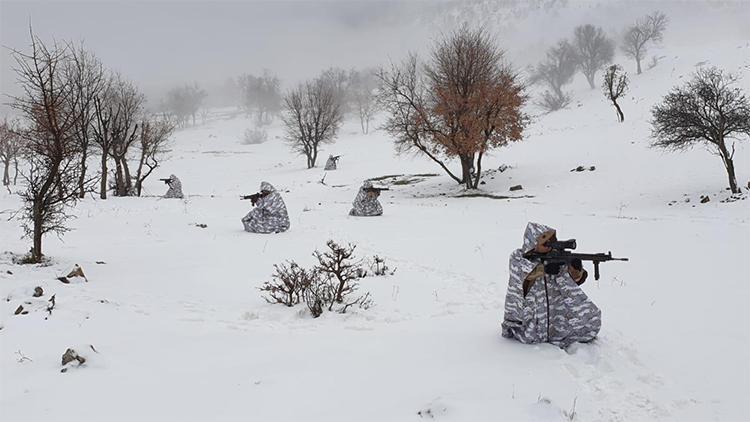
pixel 160 44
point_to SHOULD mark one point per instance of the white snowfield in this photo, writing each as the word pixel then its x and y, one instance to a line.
pixel 182 334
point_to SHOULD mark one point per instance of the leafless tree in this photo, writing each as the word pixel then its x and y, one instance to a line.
pixel 261 95
pixel 48 106
pixel 153 143
pixel 615 85
pixel 710 110
pixel 465 102
pixel 11 147
pixel 312 117
pixel 340 81
pixel 649 29
pixel 128 102
pixel 556 71
pixel 184 102
pixel 362 91
pixel 593 50
pixel 88 78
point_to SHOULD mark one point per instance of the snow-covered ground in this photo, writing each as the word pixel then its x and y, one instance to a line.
pixel 181 332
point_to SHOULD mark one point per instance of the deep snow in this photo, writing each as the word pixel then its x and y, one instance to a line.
pixel 182 333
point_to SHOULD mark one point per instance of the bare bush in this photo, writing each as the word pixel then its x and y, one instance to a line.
pixel 649 29
pixel 556 71
pixel 465 103
pixel 615 85
pixel 289 283
pixel 338 263
pixel 255 136
pixel 710 110
pixel 312 117
pixel 593 50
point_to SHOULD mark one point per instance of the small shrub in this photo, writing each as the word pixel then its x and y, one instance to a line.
pixel 254 136
pixel 288 284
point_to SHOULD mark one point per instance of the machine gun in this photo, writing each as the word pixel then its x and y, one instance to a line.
pixel 167 181
pixel 335 158
pixel 559 256
pixel 254 198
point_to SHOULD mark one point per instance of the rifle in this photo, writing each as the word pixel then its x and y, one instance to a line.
pixel 254 197
pixel 167 181
pixel 559 256
pixel 335 158
pixel 374 189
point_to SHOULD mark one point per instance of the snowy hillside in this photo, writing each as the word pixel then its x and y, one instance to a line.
pixel 180 331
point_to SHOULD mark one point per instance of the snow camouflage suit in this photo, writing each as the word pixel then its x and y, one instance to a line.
pixel 364 205
pixel 175 188
pixel 330 163
pixel 554 310
pixel 269 214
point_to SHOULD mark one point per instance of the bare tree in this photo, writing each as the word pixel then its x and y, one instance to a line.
pixel 262 95
pixel 708 110
pixel 615 85
pixel 556 71
pixel 466 102
pixel 128 102
pixel 11 147
pixel 184 102
pixel 312 117
pixel 88 78
pixel 363 89
pixel 341 82
pixel 594 50
pixel 647 29
pixel 153 141
pixel 48 107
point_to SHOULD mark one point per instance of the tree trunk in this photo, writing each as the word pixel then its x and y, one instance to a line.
pixel 36 250
pixel 620 116
pixel 126 174
pixel 467 163
pixel 82 177
pixel 15 174
pixel 478 172
pixel 638 62
pixel 729 165
pixel 103 186
pixel 119 185
pixel 590 79
pixel 6 173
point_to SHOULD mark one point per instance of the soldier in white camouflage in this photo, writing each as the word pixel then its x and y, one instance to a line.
pixel 547 308
pixel 332 162
pixel 269 214
pixel 366 203
pixel 175 187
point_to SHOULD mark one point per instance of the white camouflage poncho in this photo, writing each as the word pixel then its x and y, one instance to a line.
pixel 175 188
pixel 330 163
pixel 269 214
pixel 364 205
pixel 555 309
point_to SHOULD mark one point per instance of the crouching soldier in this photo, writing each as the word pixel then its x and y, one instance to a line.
pixel 332 162
pixel 269 214
pixel 175 187
pixel 545 303
pixel 366 203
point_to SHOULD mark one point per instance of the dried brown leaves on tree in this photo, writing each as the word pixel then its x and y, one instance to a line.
pixel 462 103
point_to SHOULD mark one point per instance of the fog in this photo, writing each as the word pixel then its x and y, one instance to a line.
pixel 162 44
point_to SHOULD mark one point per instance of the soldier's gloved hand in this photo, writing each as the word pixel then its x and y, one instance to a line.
pixel 576 271
pixel 552 268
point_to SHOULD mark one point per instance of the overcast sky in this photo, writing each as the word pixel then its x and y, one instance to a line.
pixel 159 44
